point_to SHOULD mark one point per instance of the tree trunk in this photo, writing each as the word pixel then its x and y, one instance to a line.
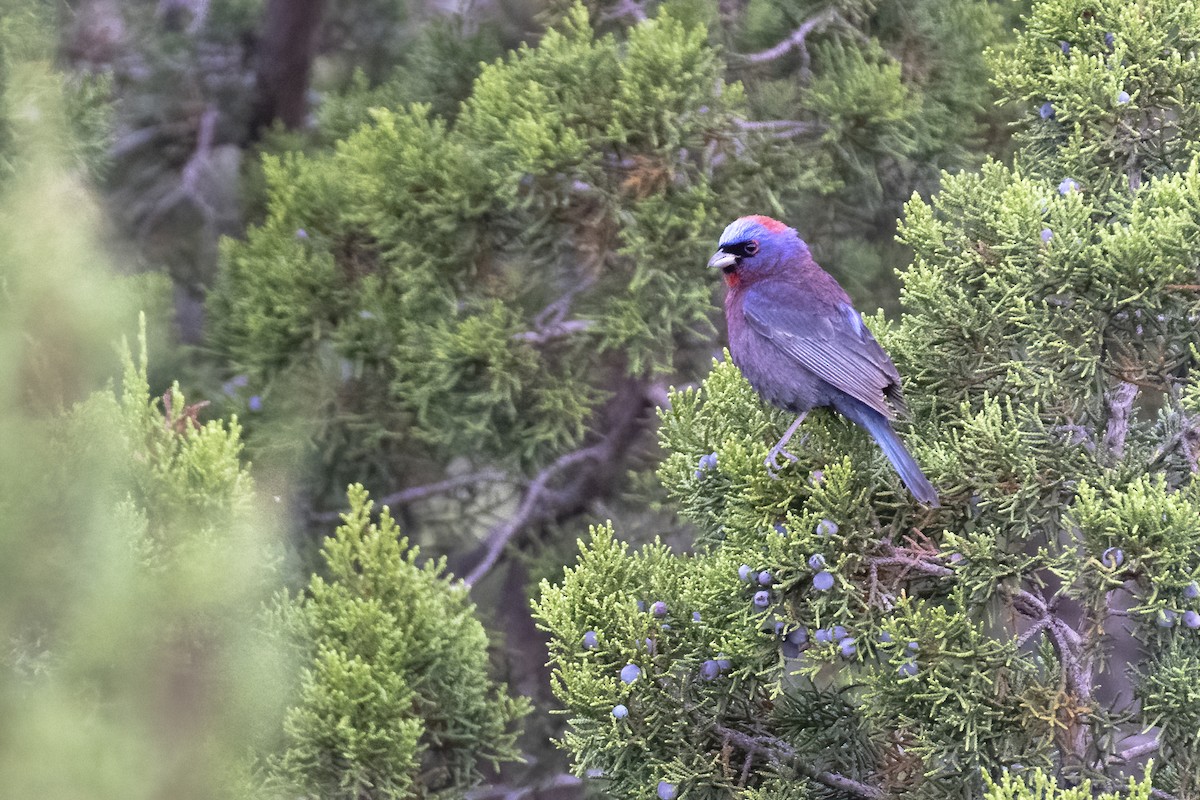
pixel 286 50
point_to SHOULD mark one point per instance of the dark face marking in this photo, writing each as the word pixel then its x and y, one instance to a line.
pixel 742 250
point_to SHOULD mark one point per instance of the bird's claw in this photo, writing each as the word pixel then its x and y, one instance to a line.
pixel 774 465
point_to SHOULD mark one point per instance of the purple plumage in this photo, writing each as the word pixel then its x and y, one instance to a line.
pixel 797 338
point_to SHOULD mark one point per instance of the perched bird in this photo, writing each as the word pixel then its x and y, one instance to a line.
pixel 802 345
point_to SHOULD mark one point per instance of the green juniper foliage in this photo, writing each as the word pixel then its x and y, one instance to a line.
pixel 395 700
pixel 1036 785
pixel 875 97
pixel 1048 615
pixel 434 288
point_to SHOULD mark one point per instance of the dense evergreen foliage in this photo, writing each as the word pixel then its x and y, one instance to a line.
pixel 467 278
pixel 395 700
pixel 1048 615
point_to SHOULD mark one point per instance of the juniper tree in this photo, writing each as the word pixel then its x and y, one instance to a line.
pixel 827 636
pixel 395 699
pixel 477 294
pixel 480 305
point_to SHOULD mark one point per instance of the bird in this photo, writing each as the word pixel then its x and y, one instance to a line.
pixel 799 341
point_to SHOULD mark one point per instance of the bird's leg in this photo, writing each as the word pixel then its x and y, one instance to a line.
pixel 772 461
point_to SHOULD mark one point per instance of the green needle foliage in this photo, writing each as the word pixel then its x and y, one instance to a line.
pixel 1047 617
pixel 439 288
pixel 395 699
pixel 459 286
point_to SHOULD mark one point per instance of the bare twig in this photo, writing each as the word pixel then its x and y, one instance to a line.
pixel 797 41
pixel 1067 642
pixel 626 8
pixel 1181 439
pixel 780 128
pixel 1138 750
pixel 553 331
pixel 556 311
pixel 189 178
pixel 658 395
pixel 780 753
pixel 415 493
pixel 1120 401
pixel 499 536
pixel 1078 435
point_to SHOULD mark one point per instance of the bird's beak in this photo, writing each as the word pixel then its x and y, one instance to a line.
pixel 721 260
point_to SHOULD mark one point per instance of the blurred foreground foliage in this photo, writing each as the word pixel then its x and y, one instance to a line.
pixel 141 652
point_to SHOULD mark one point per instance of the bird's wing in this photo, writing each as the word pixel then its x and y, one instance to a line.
pixel 828 339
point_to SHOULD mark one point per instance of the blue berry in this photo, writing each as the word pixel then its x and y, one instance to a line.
pixel 1122 98
pixel 908 669
pixel 255 403
pixel 630 673
pixel 1113 557
pixel 847 646
pixel 782 531
pixel 885 637
pixel 724 664
pixel 659 609
pixel 1192 590
pixel 1046 111
pixel 1110 39
pixel 762 598
pixel 301 233
pixel 1067 186
pixel 666 791
pixel 589 640
pixel 709 670
pixel 1191 619
pixel 1047 235
pixel 827 527
pixel 695 616
pixel 789 650
pixel 913 646
pixel 641 605
pixel 839 632
pixel 823 635
pixel 1065 47
pixel 780 628
pixel 707 462
pixel 798 636
pixel 744 572
pixel 1165 618
pixel 620 711
pixel 823 581
pixel 764 578
pixel 816 561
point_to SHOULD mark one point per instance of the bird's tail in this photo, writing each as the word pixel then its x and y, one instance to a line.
pixel 881 430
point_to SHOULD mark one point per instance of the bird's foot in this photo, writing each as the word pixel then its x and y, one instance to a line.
pixel 778 458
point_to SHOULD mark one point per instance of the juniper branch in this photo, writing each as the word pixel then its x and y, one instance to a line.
pixel 798 41
pixel 780 753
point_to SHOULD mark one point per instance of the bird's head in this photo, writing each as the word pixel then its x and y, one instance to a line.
pixel 757 246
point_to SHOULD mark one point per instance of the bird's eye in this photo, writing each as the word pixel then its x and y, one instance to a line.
pixel 751 247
